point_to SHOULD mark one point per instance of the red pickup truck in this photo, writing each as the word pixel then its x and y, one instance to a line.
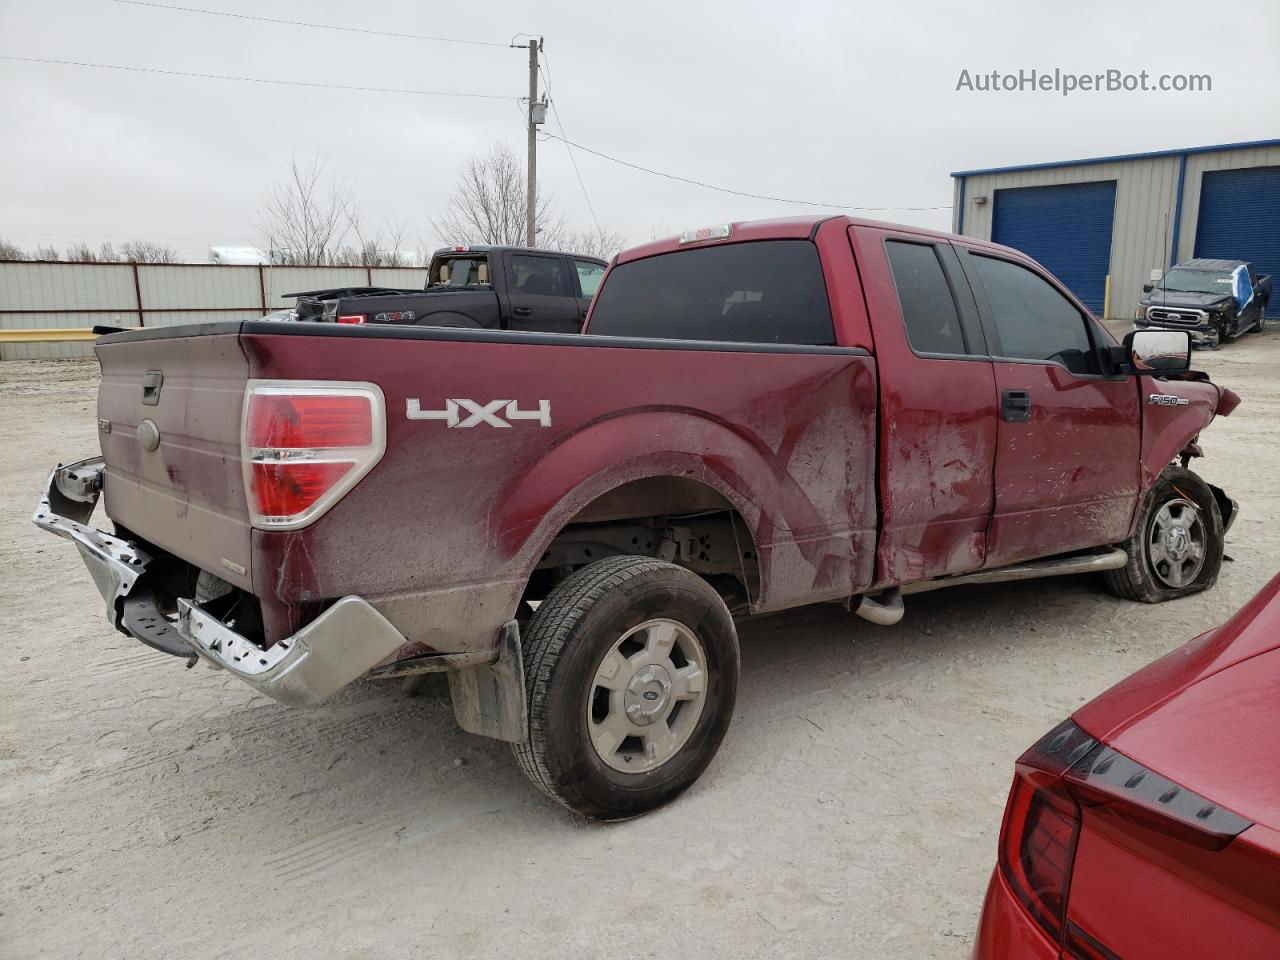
pixel 758 416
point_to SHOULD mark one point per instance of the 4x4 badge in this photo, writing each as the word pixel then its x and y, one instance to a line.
pixel 491 413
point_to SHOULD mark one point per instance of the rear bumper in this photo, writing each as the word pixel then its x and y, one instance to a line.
pixel 339 646
pixel 1006 932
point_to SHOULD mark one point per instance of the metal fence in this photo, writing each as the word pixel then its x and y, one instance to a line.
pixel 52 296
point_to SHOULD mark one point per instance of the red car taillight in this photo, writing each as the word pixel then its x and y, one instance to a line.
pixel 1042 822
pixel 353 318
pixel 306 445
pixel 1068 771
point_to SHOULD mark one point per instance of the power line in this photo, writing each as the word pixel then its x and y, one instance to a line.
pixel 304 23
pixel 546 79
pixel 286 83
pixel 736 193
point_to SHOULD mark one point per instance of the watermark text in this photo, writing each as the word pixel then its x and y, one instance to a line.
pixel 1065 82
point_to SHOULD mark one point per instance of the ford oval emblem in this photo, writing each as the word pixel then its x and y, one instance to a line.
pixel 148 434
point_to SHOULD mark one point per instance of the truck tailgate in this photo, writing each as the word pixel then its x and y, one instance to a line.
pixel 186 492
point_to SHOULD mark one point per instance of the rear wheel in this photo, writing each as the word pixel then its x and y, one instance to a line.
pixel 1177 548
pixel 631 671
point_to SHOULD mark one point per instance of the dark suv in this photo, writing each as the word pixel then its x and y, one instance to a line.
pixel 1215 300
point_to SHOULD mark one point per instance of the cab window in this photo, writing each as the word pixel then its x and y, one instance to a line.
pixel 589 276
pixel 537 276
pixel 928 307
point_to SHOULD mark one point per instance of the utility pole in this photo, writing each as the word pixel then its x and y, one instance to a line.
pixel 531 179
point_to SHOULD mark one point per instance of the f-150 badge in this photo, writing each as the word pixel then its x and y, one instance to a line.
pixel 476 413
pixel 1167 400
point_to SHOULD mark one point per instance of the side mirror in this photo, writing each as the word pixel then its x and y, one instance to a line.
pixel 1148 287
pixel 1158 352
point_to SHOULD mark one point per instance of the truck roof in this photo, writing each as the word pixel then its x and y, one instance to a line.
pixel 499 248
pixel 791 228
pixel 1203 263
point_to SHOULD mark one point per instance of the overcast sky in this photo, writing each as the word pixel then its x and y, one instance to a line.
pixel 848 103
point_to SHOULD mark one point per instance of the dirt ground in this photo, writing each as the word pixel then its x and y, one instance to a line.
pixel 150 811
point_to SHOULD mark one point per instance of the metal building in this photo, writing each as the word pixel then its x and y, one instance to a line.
pixel 1107 225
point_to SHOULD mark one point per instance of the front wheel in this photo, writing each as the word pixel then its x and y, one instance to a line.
pixel 1178 545
pixel 631 671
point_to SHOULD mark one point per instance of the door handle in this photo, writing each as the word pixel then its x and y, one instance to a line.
pixel 522 311
pixel 1015 406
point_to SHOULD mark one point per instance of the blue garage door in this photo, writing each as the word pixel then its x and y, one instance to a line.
pixel 1240 220
pixel 1067 228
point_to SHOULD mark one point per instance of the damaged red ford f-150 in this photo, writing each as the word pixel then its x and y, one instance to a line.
pixel 758 416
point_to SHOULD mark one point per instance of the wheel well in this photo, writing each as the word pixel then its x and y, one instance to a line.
pixel 676 519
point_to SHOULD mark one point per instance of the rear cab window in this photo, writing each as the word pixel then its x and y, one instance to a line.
pixel 466 271
pixel 765 291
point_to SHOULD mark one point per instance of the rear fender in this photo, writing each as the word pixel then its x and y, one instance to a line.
pixel 788 530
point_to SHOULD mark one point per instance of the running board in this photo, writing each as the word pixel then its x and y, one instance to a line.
pixel 1112 559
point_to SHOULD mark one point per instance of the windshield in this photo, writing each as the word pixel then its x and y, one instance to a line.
pixel 1196 281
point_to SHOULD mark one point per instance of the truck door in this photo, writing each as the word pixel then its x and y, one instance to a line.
pixel 1067 467
pixel 937 406
pixel 540 294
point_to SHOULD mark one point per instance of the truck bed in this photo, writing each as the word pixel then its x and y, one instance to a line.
pixel 443 532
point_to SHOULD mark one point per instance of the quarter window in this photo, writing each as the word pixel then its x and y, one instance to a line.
pixel 1032 319
pixel 928 308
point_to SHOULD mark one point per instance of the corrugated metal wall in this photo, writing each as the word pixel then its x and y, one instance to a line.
pixel 1145 191
pixel 1200 163
pixel 70 295
pixel 1146 200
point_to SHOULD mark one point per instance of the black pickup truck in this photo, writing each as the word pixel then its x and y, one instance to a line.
pixel 489 287
pixel 1214 300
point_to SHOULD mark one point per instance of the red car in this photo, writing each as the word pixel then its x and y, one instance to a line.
pixel 1148 825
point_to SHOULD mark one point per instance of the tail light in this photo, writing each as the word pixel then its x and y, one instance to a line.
pixel 306 445
pixel 1042 822
pixel 1068 771
pixel 353 317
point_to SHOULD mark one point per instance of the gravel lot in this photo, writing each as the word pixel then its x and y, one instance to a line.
pixel 151 811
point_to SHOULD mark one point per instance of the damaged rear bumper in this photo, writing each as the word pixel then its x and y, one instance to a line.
pixel 340 645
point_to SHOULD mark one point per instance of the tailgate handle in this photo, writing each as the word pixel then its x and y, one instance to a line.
pixel 1015 406
pixel 152 381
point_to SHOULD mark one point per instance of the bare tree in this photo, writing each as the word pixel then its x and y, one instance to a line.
pixel 146 251
pixel 304 221
pixel 11 251
pixel 82 253
pixel 488 205
pixel 602 243
pixel 47 251
pixel 373 249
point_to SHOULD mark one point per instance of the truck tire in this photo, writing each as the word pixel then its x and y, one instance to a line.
pixel 1178 544
pixel 1229 326
pixel 631 671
